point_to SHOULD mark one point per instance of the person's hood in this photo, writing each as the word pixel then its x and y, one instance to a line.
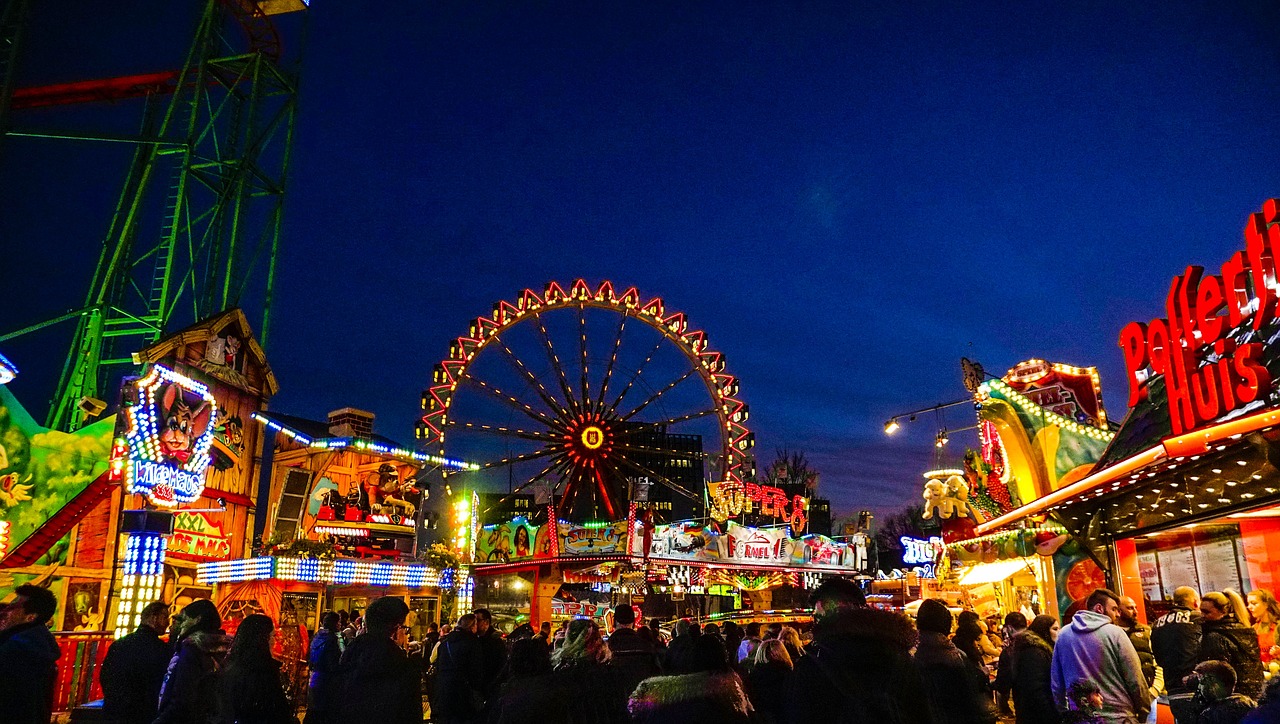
pixel 35 639
pixel 1089 621
pixel 1028 639
pixel 213 643
pixel 893 630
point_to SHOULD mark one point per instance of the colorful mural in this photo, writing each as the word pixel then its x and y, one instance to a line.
pixel 41 470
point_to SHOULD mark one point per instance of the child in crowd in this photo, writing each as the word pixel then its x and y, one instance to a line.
pixel 1085 699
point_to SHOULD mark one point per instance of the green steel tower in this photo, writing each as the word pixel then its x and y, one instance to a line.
pixel 197 225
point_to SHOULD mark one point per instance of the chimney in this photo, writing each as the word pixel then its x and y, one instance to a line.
pixel 350 422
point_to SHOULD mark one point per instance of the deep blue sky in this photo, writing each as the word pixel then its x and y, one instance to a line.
pixel 848 197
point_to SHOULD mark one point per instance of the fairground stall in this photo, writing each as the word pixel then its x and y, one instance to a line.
pixel 1188 491
pixel 1041 427
pixel 341 527
pixel 119 512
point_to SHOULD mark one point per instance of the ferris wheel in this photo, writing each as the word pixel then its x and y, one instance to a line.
pixel 580 394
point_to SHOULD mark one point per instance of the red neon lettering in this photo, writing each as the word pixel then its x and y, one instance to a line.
pixel 1201 310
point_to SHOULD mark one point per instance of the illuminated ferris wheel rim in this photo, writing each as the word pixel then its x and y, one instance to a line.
pixel 736 439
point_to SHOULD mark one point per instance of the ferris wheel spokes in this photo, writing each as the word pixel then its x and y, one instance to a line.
pixel 507 431
pixel 639 371
pixel 534 383
pixel 660 478
pixel 515 403
pixel 555 363
pixel 613 360
pixel 660 393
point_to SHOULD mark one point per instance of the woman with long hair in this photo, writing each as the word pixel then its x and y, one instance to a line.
pixel 968 637
pixel 252 692
pixel 583 645
pixel 1031 659
pixel 1264 609
pixel 189 694
pixel 767 682
pixel 790 638
pixel 1224 636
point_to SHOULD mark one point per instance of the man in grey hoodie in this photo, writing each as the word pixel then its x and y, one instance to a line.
pixel 1095 649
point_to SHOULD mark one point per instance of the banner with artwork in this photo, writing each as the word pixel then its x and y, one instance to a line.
pixel 517 540
pixel 582 540
pixel 690 541
pixel 41 470
pixel 758 545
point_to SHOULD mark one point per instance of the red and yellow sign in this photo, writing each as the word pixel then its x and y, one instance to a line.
pixel 1208 372
pixel 196 536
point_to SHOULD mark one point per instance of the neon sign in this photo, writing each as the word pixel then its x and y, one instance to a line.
pixel 170 430
pixel 1207 371
pixel 732 498
pixel 592 437
pixel 919 551
pixel 196 535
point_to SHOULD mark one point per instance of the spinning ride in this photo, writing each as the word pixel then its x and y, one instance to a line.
pixel 638 399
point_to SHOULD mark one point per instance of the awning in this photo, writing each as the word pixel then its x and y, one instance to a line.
pixel 992 572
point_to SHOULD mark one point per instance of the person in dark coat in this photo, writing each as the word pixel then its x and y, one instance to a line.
pixel 768 681
pixel 458 696
pixel 493 652
pixel 1175 639
pixel 1030 657
pixel 134 667
pixel 858 668
pixel 683 635
pixel 1014 624
pixel 633 657
pixel 1224 637
pixel 1268 711
pixel 1216 697
pixel 525 697
pixel 955 686
pixel 251 689
pixel 189 694
pixel 710 691
pixel 379 684
pixel 593 691
pixel 1140 637
pixel 324 657
pixel 28 656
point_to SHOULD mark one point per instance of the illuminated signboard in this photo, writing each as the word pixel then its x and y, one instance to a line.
pixel 170 430
pixel 731 498
pixel 198 536
pixel 918 551
pixel 921 553
pixel 1207 348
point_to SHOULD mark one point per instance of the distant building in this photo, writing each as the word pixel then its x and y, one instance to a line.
pixel 674 457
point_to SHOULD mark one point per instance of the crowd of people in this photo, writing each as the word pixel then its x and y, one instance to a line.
pixel 858 664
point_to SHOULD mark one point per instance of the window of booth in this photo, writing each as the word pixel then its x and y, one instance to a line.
pixel 1240 551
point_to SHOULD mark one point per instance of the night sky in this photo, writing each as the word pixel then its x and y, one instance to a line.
pixel 847 197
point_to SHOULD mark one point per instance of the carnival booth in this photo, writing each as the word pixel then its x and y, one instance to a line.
pixel 341 528
pixel 1041 426
pixel 1188 491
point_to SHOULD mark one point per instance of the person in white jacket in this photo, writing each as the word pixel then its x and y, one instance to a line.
pixel 1095 649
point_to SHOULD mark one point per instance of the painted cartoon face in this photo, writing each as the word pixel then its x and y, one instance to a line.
pixel 182 425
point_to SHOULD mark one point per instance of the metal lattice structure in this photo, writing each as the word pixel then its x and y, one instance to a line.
pixel 594 421
pixel 197 225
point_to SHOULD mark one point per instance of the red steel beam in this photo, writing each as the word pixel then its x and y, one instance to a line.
pixel 95 91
